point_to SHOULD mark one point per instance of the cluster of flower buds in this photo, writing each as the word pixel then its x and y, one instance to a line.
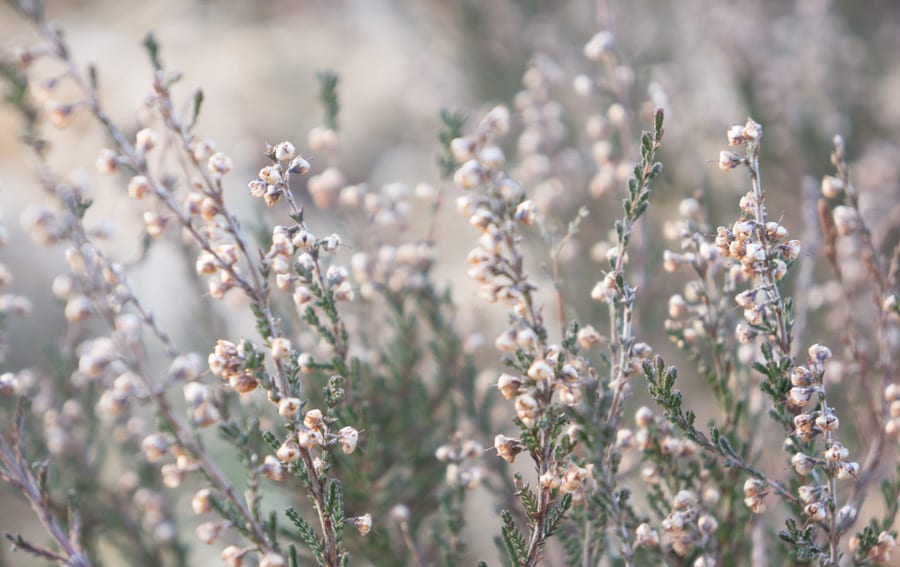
pixel 271 182
pixel 312 432
pixel 305 274
pixel 687 525
pixel 461 456
pixel 755 494
pixel 547 375
pixel 645 536
pixel 227 362
pixel 880 553
pixel 397 269
pixel 200 404
pixel 749 133
pixel 892 397
pixel 570 479
pixel 543 158
pixel 156 517
pixel 173 473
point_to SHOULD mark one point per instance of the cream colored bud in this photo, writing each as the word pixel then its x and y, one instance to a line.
pixel 587 337
pixel 272 468
pixel 208 532
pixel 288 407
pixel 832 187
pixel 509 386
pixel 200 503
pixel 643 417
pixel 272 559
pixel 155 447
pixel 362 523
pixel 78 308
pixel 735 135
pixel 314 420
pixel 469 175
pixel 233 556
pixel 145 140
pixel 219 164
pixel 281 348
pixel 288 452
pixel 348 438
pixel 540 370
pixel 752 131
pixel 284 151
pixel 600 46
pixel 729 160
pixel 299 165
pixel 463 149
pixel 107 161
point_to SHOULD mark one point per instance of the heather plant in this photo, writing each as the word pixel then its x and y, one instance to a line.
pixel 335 408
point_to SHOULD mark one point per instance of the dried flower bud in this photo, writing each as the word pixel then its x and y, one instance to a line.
pixel 288 452
pixel 643 417
pixel 299 165
pixel 645 536
pixel 208 532
pixel 361 523
pixel 281 348
pixel 233 556
pixel 507 447
pixel 284 151
pixel 803 464
pixel 145 140
pixel 469 175
pixel 752 131
pixel 816 511
pixel 314 420
pixel 107 161
pixel 272 468
pixel 729 160
pixel 348 438
pixel 271 559
pixel 288 407
pixel 200 503
pixel 735 135
pixel 509 386
pixel 219 164
pixel 540 370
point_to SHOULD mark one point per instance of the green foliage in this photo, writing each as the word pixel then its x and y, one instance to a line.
pixel 328 97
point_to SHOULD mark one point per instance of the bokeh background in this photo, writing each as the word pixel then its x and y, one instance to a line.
pixel 806 70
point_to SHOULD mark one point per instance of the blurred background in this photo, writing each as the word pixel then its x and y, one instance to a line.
pixel 805 70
